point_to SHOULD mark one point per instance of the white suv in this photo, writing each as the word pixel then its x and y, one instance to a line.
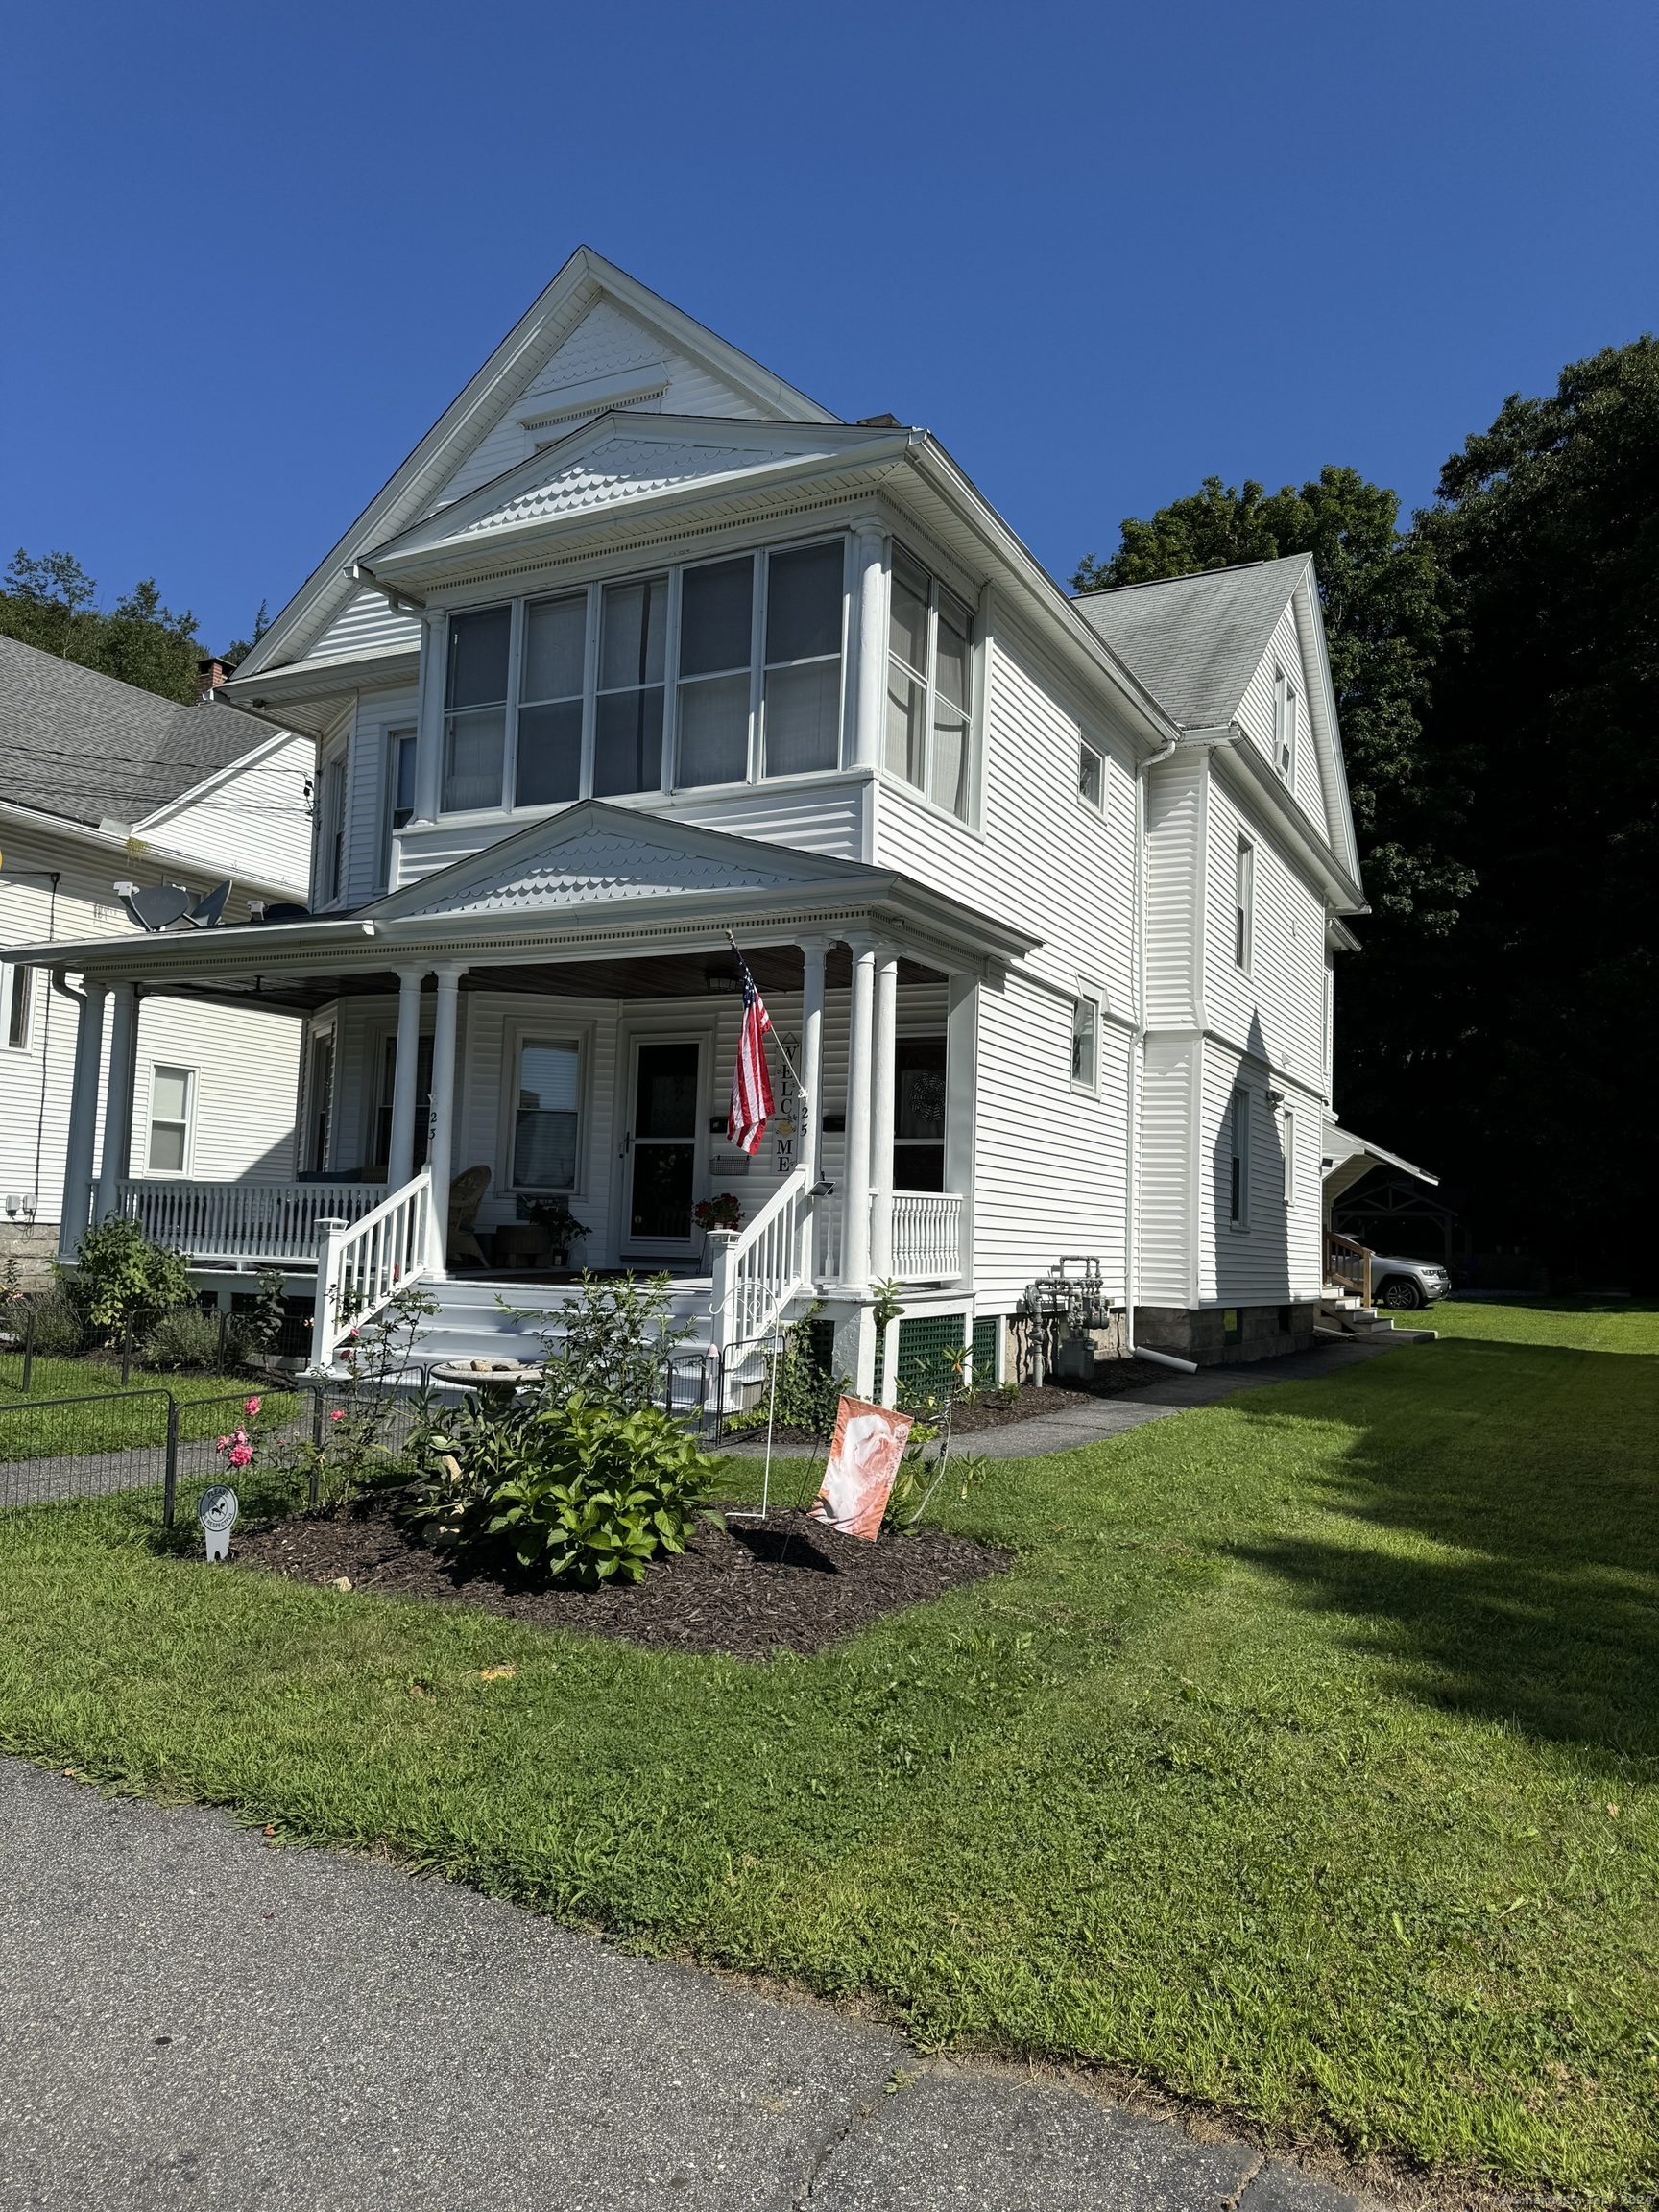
pixel 1403 1286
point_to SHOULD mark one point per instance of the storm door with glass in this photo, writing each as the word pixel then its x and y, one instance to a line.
pixel 919 1114
pixel 662 1146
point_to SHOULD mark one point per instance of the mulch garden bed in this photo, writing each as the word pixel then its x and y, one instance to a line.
pixel 783 1584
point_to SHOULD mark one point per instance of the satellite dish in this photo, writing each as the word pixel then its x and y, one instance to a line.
pixel 209 907
pixel 156 907
pixel 286 910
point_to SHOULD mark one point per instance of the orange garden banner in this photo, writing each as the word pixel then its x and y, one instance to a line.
pixel 864 1455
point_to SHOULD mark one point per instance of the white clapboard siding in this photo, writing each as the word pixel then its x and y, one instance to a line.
pixel 1273 1258
pixel 1256 714
pixel 1275 1010
pixel 367 625
pixel 1048 1161
pixel 1174 830
pixel 1165 1265
pixel 254 824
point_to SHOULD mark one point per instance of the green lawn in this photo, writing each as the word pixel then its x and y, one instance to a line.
pixel 1306 1763
pixel 38 1422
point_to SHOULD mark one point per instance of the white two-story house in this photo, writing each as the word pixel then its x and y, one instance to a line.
pixel 105 787
pixel 642 654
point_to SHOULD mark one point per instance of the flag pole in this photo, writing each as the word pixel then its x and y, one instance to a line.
pixel 794 1072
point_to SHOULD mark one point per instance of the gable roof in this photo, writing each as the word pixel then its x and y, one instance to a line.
pixel 1197 641
pixel 623 459
pixel 87 747
pixel 586 283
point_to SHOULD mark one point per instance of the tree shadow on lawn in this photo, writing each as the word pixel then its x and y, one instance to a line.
pixel 1536 1469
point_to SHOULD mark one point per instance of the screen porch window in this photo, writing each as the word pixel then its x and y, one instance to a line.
pixel 548 768
pixel 919 1096
pixel 172 1096
pixel 18 986
pixel 801 697
pixel 716 651
pixel 1285 726
pixel 546 1117
pixel 929 687
pixel 1238 1160
pixel 633 642
pixel 1243 905
pixel 475 717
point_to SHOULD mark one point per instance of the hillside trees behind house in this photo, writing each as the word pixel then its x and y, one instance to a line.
pixel 1497 670
pixel 48 601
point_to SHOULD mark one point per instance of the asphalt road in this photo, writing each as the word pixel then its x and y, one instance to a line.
pixel 190 2018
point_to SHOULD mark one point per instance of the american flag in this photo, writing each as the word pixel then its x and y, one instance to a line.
pixel 751 1079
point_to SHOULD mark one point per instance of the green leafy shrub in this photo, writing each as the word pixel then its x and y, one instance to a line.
pixel 609 1343
pixel 581 1488
pixel 801 1387
pixel 60 1329
pixel 187 1336
pixel 118 1271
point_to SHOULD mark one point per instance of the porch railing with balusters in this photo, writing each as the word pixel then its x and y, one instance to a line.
pixel 927 1236
pixel 261 1221
pixel 1348 1267
pixel 361 1265
pixel 757 1270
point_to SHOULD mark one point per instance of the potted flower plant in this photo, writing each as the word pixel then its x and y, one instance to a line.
pixel 562 1226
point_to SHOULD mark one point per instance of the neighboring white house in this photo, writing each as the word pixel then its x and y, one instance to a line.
pixel 642 649
pixel 104 784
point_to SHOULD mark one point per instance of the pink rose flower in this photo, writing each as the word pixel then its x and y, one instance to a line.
pixel 251 1406
pixel 222 1443
pixel 337 1414
pixel 240 1455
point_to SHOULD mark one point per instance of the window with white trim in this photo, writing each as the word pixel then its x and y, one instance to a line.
pixel 561 698
pixel 399 793
pixel 331 830
pixel 929 687
pixel 1285 726
pixel 172 1111
pixel 1084 1043
pixel 1238 1160
pixel 17 992
pixel 546 1120
pixel 1245 905
pixel 1091 776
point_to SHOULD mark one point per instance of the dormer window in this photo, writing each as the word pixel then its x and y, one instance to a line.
pixel 1284 732
pixel 929 687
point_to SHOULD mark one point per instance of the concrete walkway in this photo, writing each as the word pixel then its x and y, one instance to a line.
pixel 188 2017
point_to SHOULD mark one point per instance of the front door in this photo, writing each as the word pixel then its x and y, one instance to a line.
pixel 662 1147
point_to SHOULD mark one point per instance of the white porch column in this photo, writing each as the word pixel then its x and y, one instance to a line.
pixel 82 1120
pixel 856 1197
pixel 813 952
pixel 400 1144
pixel 882 1114
pixel 442 1145
pixel 117 1150
pixel 869 701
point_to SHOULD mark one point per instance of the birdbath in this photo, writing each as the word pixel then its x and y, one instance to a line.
pixel 497 1381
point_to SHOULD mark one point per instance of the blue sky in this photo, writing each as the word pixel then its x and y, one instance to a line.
pixel 249 254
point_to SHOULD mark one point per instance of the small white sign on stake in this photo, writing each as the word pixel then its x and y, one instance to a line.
pixel 217 1513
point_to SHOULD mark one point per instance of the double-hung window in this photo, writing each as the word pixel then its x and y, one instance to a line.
pixel 331 830
pixel 801 705
pixel 17 991
pixel 929 687
pixel 172 1099
pixel 475 703
pixel 1085 1045
pixel 1091 776
pixel 399 793
pixel 716 655
pixel 1243 905
pixel 1239 1162
pixel 1285 726
pixel 633 648
pixel 549 763
pixel 546 1119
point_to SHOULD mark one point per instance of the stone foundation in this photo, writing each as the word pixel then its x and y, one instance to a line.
pixel 1203 1337
pixel 33 1246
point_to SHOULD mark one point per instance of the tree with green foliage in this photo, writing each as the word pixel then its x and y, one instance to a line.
pixel 49 602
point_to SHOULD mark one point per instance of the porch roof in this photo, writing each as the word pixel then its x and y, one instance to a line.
pixel 596 888
pixel 1346 1159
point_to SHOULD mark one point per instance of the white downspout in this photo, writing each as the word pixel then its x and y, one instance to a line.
pixel 1137 1054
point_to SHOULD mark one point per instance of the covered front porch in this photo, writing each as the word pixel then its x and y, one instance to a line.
pixel 503 1089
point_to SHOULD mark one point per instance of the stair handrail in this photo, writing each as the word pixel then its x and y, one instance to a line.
pixel 1348 1261
pixel 362 1264
pixel 755 1271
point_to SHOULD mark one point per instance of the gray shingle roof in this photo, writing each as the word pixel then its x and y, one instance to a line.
pixel 1195 642
pixel 88 747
